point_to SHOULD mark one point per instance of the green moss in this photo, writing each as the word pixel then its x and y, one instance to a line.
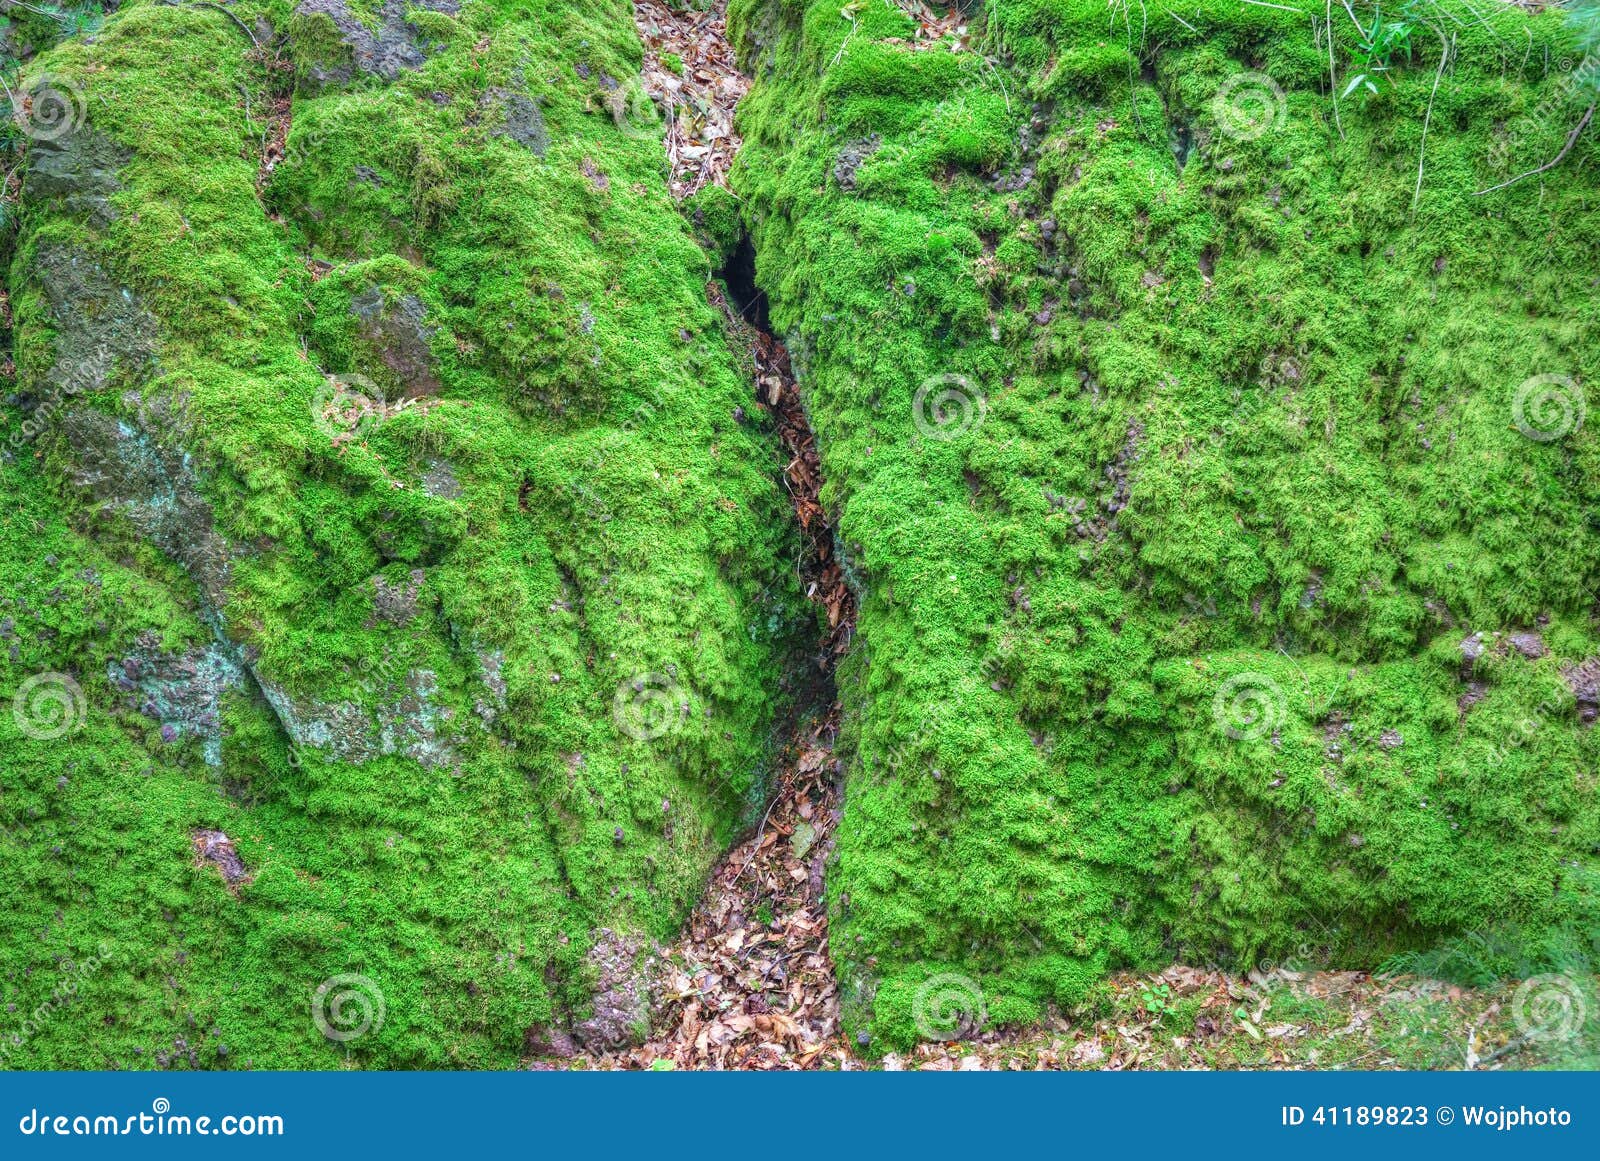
pixel 461 417
pixel 713 214
pixel 1239 439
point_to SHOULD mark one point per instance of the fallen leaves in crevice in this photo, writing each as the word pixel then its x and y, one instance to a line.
pixel 749 985
pixel 700 97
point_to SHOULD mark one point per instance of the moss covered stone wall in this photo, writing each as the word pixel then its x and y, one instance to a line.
pixel 375 501
pixel 1220 498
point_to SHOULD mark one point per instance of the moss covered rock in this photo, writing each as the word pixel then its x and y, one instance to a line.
pixel 1211 462
pixel 375 512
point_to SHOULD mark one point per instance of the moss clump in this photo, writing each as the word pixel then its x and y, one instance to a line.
pixel 418 550
pixel 1213 600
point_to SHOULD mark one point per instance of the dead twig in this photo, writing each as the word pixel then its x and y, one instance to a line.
pixel 215 8
pixel 1422 150
pixel 1572 139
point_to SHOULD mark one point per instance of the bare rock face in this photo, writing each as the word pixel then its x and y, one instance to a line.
pixel 1583 680
pixel 622 996
pixel 396 45
pixel 851 158
pixel 400 336
pixel 626 975
pixel 519 119
pixel 396 603
pixel 80 169
pixel 181 691
pixel 152 483
pixel 103 334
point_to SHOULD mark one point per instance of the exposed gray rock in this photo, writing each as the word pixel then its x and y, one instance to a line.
pixel 397 715
pixel 440 482
pixel 519 119
pixel 1583 680
pixel 181 691
pixel 400 337
pixel 395 45
pixel 851 157
pixel 80 169
pixel 102 333
pixel 153 485
pixel 397 603
pixel 1530 645
pixel 621 1013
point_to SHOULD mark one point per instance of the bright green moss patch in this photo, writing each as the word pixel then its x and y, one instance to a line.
pixel 1178 460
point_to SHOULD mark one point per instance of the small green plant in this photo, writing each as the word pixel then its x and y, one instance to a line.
pixel 1380 45
pixel 1156 998
pixel 673 62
